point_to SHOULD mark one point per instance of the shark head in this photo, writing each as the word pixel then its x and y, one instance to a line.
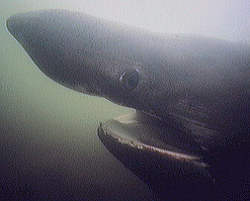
pixel 88 55
pixel 197 98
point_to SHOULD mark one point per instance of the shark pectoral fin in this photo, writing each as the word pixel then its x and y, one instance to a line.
pixel 164 167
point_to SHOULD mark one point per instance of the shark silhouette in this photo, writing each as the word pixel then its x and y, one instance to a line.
pixel 189 138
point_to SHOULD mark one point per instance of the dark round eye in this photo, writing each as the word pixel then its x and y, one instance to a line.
pixel 130 79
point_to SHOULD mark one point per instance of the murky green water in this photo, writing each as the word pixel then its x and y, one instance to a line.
pixel 49 149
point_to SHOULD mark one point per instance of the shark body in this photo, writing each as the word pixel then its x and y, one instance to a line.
pixel 190 135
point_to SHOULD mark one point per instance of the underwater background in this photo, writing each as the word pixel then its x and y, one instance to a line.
pixel 49 149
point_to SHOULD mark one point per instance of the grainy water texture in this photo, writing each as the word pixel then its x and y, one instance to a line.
pixel 49 149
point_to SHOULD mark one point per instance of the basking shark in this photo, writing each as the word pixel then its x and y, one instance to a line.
pixel 189 138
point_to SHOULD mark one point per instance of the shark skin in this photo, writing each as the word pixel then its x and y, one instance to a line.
pixel 189 139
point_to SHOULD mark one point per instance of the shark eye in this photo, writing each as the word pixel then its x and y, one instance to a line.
pixel 130 79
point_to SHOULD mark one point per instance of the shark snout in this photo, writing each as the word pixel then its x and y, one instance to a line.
pixel 11 24
pixel 16 26
pixel 62 45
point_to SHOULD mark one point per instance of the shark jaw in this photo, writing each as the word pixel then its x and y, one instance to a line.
pixel 155 154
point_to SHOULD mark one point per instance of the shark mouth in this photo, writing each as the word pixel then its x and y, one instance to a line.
pixel 161 156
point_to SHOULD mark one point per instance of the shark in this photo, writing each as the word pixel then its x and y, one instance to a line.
pixel 189 137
